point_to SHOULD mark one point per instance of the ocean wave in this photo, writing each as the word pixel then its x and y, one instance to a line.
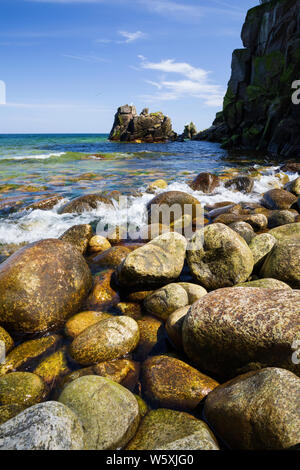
pixel 43 156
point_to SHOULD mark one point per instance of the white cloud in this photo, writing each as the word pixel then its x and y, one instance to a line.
pixel 195 83
pixel 85 58
pixel 131 37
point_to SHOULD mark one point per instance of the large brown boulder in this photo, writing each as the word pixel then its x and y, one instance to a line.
pixel 234 330
pixel 257 411
pixel 283 263
pixel 85 203
pixel 183 203
pixel 41 286
pixel 278 199
pixel 130 127
pixel 205 182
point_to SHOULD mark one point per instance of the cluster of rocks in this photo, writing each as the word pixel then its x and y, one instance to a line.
pixel 130 127
pixel 166 344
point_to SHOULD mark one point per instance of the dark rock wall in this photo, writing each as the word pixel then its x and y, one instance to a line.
pixel 258 112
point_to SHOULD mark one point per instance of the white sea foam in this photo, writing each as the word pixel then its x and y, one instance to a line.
pixel 37 225
pixel 43 156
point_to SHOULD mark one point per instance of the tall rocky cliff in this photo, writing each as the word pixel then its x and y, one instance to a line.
pixel 258 112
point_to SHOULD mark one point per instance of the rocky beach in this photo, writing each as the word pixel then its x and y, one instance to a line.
pixel 150 282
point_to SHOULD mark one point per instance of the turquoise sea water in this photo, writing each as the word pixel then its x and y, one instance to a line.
pixel 33 167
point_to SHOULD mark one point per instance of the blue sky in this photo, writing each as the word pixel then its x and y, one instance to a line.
pixel 68 64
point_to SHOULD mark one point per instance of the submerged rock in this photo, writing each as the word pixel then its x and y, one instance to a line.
pixel 219 257
pixel 257 411
pixel 22 388
pixel 157 263
pixel 108 339
pixel 7 340
pixel 233 330
pixel 42 285
pixel 172 430
pixel 108 412
pixel 8 412
pixel 46 426
pixel 243 184
pixel 170 383
pixel 82 321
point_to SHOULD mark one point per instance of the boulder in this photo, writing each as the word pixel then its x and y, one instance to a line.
pixel 170 383
pixel 231 331
pixel 46 426
pixel 257 411
pixel 98 244
pixel 165 301
pixel 103 293
pixel 44 204
pixel 106 340
pixel 278 199
pixel 129 127
pixel 265 284
pixel 156 185
pixel 181 203
pixel 41 286
pixel 7 340
pixel 53 368
pixel 278 218
pixel 174 326
pixel 79 236
pixel 261 246
pixel 244 230
pixel 108 412
pixel 172 430
pixel 157 263
pixel 81 321
pixel 85 203
pixel 194 292
pixel 205 182
pixel 291 167
pixel 219 257
pixel 8 412
pixel 290 231
pixel 110 258
pixel 244 184
pixel 283 263
pixel 294 186
pixel 153 338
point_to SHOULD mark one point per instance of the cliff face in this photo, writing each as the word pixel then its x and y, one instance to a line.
pixel 258 112
pixel 131 127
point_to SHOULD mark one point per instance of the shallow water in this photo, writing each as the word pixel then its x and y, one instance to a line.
pixel 33 167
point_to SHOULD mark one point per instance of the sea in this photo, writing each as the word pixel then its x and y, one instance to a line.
pixel 35 167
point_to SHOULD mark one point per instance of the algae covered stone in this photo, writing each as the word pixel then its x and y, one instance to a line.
pixel 193 291
pixel 266 283
pixel 22 388
pixel 172 430
pixel 283 263
pixel 166 300
pixel 261 246
pixel 46 426
pixel 234 330
pixel 53 368
pixel 219 257
pixel 106 340
pixel 170 383
pixel 286 232
pixel 257 411
pixel 108 412
pixel 81 321
pixel 6 340
pixel 153 338
pixel 42 285
pixel 174 326
pixel 8 412
pixel 157 263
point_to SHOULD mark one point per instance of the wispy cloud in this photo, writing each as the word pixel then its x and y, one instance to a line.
pixel 85 58
pixel 194 82
pixel 131 37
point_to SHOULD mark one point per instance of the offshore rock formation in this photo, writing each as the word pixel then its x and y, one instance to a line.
pixel 258 112
pixel 131 127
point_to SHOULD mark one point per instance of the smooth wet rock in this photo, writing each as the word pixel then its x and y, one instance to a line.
pixel 174 326
pixel 232 331
pixel 170 383
pixel 98 244
pixel 244 230
pixel 53 368
pixel 22 388
pixel 194 291
pixel 166 300
pixel 85 203
pixel 157 184
pixel 278 199
pixel 109 339
pixel 45 204
pixel 79 236
pixel 257 411
pixel 243 184
pixel 172 430
pixel 7 340
pixel 108 412
pixel 219 257
pixel 265 284
pixel 29 353
pixel 286 232
pixel 185 203
pixel 157 263
pixel 294 187
pixel 261 246
pixel 278 218
pixel 122 371
pixel 103 293
pixel 205 182
pixel 80 322
pixel 283 263
pixel 291 167
pixel 46 426
pixel 152 338
pixel 111 258
pixel 41 286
